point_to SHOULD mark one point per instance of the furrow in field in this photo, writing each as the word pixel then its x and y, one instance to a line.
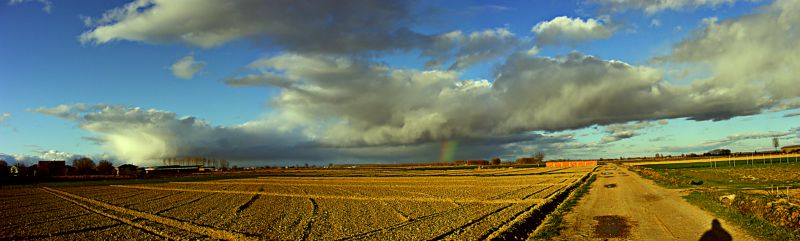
pixel 246 205
pixel 437 223
pixel 402 216
pixel 339 197
pixel 62 232
pixel 178 205
pixel 310 221
pixel 78 200
pixel 96 205
pixel 463 229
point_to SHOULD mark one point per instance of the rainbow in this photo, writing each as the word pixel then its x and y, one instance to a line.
pixel 447 152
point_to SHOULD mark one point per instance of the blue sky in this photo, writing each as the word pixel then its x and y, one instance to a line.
pixel 356 82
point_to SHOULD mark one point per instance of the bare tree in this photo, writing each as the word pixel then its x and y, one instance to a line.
pixel 22 169
pixel 83 166
pixel 4 168
pixel 496 161
pixel 775 143
pixel 105 168
pixel 539 156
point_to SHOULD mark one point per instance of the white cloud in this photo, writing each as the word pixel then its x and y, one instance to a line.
pixel 50 155
pixel 322 27
pixel 655 6
pixel 566 30
pixel 533 51
pixel 655 23
pixel 186 67
pixel 351 27
pixel 4 116
pixel 752 56
pixel 477 47
pixel 731 141
pixel 335 107
pixel 617 132
pixel 47 5
pixel 143 137
pixel 363 103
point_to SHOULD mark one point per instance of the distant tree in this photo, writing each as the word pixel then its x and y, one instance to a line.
pixel 83 166
pixel 23 169
pixel 539 156
pixel 3 168
pixel 105 168
pixel 496 161
pixel 775 143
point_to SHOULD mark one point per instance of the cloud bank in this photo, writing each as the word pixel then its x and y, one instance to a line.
pixel 345 26
pixel 335 101
pixel 146 136
pixel 655 6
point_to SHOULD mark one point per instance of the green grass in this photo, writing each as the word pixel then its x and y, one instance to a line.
pixel 756 176
pixel 751 224
pixel 554 223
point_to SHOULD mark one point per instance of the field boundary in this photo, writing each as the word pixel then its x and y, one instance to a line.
pixel 361 185
pixel 211 232
pixel 358 198
pixel 718 159
pixel 523 224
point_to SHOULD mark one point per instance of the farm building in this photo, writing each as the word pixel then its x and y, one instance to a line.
pixel 127 170
pixel 718 152
pixel 571 163
pixel 51 168
pixel 791 149
pixel 472 162
pixel 174 169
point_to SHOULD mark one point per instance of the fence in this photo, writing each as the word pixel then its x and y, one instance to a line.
pixel 733 160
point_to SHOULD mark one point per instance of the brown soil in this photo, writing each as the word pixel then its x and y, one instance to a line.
pixel 611 226
pixel 637 209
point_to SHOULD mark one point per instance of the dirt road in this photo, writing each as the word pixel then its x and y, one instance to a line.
pixel 623 206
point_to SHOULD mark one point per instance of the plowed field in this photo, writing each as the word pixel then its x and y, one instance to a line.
pixel 390 205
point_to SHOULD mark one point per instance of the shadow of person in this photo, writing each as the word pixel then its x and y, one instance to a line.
pixel 716 233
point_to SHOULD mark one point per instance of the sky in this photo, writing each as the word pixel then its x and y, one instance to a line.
pixel 369 81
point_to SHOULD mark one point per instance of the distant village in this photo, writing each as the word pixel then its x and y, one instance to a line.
pixel 86 168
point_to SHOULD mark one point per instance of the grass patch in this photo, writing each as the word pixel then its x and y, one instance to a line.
pixel 720 164
pixel 758 176
pixel 751 224
pixel 554 223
